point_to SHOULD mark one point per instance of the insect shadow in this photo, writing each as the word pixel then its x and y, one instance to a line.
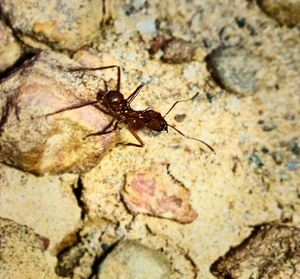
pixel 113 103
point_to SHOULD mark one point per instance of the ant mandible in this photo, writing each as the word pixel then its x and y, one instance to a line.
pixel 113 103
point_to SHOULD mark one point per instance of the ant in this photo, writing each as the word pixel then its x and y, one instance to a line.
pixel 113 103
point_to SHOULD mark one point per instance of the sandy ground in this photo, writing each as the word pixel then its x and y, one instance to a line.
pixel 241 185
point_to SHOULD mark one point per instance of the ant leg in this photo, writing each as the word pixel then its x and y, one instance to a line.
pixel 104 130
pixel 73 107
pixel 133 132
pixel 103 68
pixel 135 93
pixel 93 69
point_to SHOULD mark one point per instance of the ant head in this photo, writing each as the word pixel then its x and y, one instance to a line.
pixel 155 121
pixel 114 99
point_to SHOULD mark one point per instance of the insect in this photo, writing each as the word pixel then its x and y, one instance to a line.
pixel 113 103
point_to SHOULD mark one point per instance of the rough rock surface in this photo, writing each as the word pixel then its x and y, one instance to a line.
pixel 57 143
pixel 235 69
pixel 46 204
pixel 254 176
pixel 22 253
pixel 66 25
pixel 130 259
pixel 271 251
pixel 153 191
pixel 10 49
pixel 287 12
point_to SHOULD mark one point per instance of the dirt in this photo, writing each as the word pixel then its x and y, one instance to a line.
pixel 254 176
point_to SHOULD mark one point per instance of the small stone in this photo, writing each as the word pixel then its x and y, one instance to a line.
pixel 271 251
pixel 241 22
pixel 22 253
pixel 292 165
pixel 235 69
pixel 277 157
pixel 178 51
pixel 255 161
pixel 10 50
pixel 156 44
pixel 130 259
pixel 66 25
pixel 152 191
pixel 268 126
pixel 294 147
pixel 180 117
pixel 265 150
pixel 286 12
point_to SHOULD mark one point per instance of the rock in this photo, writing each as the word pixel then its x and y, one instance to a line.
pixel 277 157
pixel 271 251
pixel 178 51
pixel 68 25
pixel 235 69
pixel 268 126
pixel 46 204
pixel 255 161
pixel 55 144
pixel 22 253
pixel 286 12
pixel 10 50
pixel 130 259
pixel 292 165
pixel 156 44
pixel 154 192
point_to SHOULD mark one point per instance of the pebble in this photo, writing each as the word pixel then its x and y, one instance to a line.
pixel 10 49
pixel 294 147
pixel 255 161
pixel 131 259
pixel 178 51
pixel 268 126
pixel 63 25
pixel 180 117
pixel 277 157
pixel 235 69
pixel 154 192
pixel 292 165
pixel 286 12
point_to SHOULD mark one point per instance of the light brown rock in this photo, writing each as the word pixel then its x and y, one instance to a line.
pixel 130 259
pixel 33 142
pixel 286 12
pixel 10 50
pixel 153 191
pixel 66 25
pixel 46 204
pixel 22 253
pixel 271 251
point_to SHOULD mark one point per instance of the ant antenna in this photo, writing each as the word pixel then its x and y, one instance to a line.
pixel 206 144
pixel 181 102
pixel 203 142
